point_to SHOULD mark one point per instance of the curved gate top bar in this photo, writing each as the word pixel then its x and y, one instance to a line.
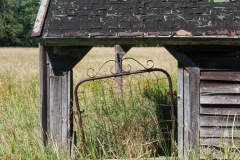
pixel 203 35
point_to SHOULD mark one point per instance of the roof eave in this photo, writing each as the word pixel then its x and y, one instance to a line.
pixel 181 40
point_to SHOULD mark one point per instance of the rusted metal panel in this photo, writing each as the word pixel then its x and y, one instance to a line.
pixel 37 29
pixel 134 18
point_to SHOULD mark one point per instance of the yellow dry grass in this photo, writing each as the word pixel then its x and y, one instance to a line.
pixel 23 62
pixel 97 56
pixel 19 94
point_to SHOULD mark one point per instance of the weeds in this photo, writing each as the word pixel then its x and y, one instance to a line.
pixel 19 111
pixel 134 125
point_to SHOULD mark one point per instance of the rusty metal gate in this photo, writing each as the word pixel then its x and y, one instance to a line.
pixel 100 99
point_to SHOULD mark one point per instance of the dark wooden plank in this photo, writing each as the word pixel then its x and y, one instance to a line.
pixel 187 113
pixel 221 76
pixel 180 112
pixel 219 132
pixel 72 51
pixel 194 104
pixel 210 87
pixel 221 142
pixel 216 99
pixel 225 121
pixel 182 58
pixel 220 110
pixel 43 94
pixel 164 41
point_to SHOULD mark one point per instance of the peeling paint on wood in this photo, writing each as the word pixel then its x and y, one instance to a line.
pixel 37 29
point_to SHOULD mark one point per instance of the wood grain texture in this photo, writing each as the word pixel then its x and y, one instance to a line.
pixel 187 113
pixel 219 132
pixel 194 96
pixel 180 112
pixel 56 110
pixel 220 110
pixel 216 99
pixel 225 121
pixel 221 76
pixel 220 142
pixel 43 94
pixel 215 88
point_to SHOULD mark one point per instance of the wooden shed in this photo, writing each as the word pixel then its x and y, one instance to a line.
pixel 203 35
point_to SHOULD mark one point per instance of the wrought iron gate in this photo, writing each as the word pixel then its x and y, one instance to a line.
pixel 100 99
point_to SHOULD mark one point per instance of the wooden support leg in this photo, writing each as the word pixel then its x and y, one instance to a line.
pixel 180 112
pixel 56 93
pixel 188 104
pixel 188 111
pixel 43 94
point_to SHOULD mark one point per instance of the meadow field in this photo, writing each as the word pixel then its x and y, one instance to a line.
pixel 19 95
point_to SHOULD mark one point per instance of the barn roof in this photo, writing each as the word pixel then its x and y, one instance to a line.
pixel 89 19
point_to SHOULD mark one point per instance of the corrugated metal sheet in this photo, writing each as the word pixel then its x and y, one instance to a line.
pixel 37 29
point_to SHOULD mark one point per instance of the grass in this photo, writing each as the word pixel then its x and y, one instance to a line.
pixel 127 126
pixel 19 110
pixel 19 96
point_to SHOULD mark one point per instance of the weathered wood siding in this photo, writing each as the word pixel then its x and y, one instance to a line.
pixel 133 18
pixel 219 111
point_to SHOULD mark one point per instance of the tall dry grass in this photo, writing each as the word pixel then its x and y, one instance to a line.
pixel 19 95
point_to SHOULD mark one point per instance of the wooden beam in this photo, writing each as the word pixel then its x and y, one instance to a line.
pixel 163 41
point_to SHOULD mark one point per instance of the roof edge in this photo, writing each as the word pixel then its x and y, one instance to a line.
pixel 163 41
pixel 38 25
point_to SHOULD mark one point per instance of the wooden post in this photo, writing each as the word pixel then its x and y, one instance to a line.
pixel 43 94
pixel 120 51
pixel 194 92
pixel 188 104
pixel 188 111
pixel 180 111
pixel 56 93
